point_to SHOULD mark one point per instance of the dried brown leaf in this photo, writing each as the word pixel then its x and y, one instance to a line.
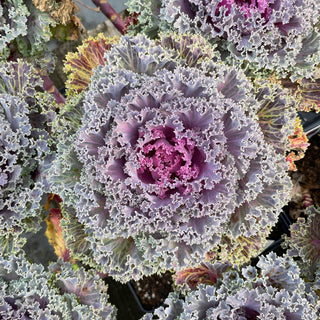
pixel 61 11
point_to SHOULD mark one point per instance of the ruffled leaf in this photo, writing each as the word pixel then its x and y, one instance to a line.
pixel 80 65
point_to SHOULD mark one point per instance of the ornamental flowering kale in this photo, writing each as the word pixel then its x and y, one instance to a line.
pixel 274 292
pixel 278 35
pixel 23 146
pixel 30 292
pixel 169 160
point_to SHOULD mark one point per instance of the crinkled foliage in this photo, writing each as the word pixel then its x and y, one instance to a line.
pixel 274 292
pixel 13 23
pixel 23 145
pixel 19 78
pixel 39 32
pixel 148 15
pixel 304 242
pixel 75 236
pixel 30 292
pixel 309 93
pixel 278 35
pixel 86 291
pixel 24 29
pixel 306 92
pixel 191 50
pixel 276 115
pixel 168 160
pixel 239 250
pixel 80 65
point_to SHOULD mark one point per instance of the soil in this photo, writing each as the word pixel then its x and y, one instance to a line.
pixel 153 290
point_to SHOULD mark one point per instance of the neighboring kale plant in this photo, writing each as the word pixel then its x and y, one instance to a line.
pixel 13 23
pixel 273 290
pixel 23 146
pixel 277 35
pixel 304 242
pixel 170 161
pixel 30 292
pixel 24 29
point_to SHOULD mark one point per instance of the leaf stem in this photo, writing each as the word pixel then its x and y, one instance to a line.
pixel 108 11
pixel 52 89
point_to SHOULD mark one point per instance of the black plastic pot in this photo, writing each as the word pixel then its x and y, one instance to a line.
pixel 121 297
pixel 310 122
pixel 281 227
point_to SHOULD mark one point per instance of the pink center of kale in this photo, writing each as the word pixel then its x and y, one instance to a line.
pixel 247 7
pixel 169 162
